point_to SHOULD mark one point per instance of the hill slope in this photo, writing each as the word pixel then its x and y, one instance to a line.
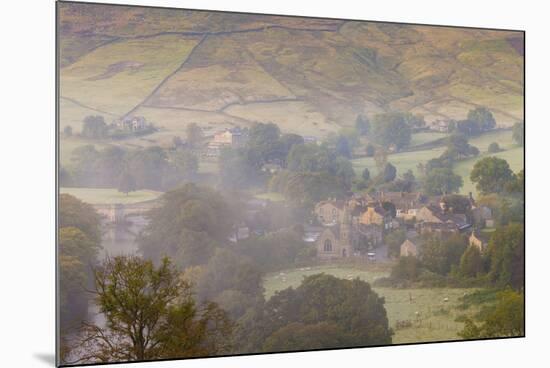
pixel 310 76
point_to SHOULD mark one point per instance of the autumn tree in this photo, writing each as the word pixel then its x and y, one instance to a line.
pixel 150 314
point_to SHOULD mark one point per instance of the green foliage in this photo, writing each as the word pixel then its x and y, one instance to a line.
pixel 343 147
pixel 94 127
pixel 507 254
pixel 300 336
pixel 194 135
pixel 458 148
pixel 150 314
pixel 365 175
pixel 389 173
pixel 491 175
pixel 391 129
pixel 393 240
pixel 518 133
pixel 75 213
pixel 152 168
pixel 406 269
pixel 370 150
pixel 471 263
pixel 351 306
pixel 280 249
pixel 127 183
pixel 482 117
pixel 493 148
pixel 440 255
pixel 79 243
pixel 362 125
pixel 505 319
pixel 190 224
pixel 442 181
pixel 228 271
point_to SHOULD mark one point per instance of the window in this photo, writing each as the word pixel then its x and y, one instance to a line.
pixel 334 217
pixel 328 246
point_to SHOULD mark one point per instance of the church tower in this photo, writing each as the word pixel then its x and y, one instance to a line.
pixel 345 233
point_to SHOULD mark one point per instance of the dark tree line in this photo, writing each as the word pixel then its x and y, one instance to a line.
pixel 114 167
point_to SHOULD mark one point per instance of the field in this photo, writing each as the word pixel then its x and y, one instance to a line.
pixel 435 320
pixel 404 161
pixel 109 195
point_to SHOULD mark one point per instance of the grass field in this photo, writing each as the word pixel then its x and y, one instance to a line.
pixel 435 320
pixel 110 195
pixel 117 77
pixel 426 137
pixel 404 161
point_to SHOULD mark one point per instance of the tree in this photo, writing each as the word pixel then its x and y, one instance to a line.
pixel 78 245
pixel 343 147
pixel 471 262
pixel 483 118
pixel 68 131
pixel 507 255
pixel 370 150
pixel 518 133
pixel 389 173
pixel 177 142
pixel 191 222
pixel 127 183
pixel 407 269
pixel 150 314
pixel 458 148
pixel 300 336
pixel 391 129
pixel 362 125
pixel 75 213
pixel 493 148
pixel 351 305
pixel 394 240
pixel 94 127
pixel 505 319
pixel 491 175
pixel 442 181
pixel 194 135
pixel 365 175
pixel 440 255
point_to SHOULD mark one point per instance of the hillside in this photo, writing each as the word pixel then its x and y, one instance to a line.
pixel 310 76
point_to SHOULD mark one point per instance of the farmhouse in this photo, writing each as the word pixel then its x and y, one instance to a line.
pixel 408 249
pixel 233 138
pixel 133 123
pixel 406 204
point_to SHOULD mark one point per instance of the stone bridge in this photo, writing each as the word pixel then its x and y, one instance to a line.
pixel 118 213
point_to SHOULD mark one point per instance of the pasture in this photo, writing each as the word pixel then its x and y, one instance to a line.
pixel 110 195
pixel 431 317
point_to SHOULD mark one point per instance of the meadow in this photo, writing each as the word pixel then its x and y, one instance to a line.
pixel 110 195
pixel 403 161
pixel 431 317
